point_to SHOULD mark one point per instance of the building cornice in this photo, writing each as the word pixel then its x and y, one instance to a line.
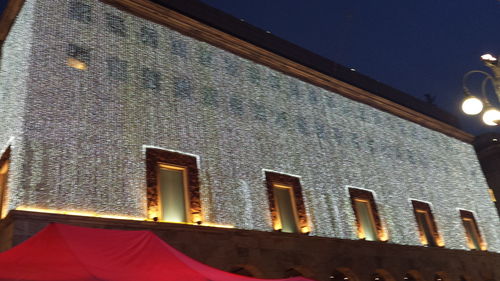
pixel 196 29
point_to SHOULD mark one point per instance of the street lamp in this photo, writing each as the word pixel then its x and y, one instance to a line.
pixel 473 105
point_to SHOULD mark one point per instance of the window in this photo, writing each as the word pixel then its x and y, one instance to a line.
pixel 377 277
pixel 172 191
pixel 116 25
pixel 367 219
pixel 426 224
pixel 182 88
pixel 149 36
pixel 78 57
pixel 173 186
pixel 4 172
pixel 409 277
pixel 80 11
pixel 439 277
pixel 151 79
pixel 117 68
pixel 179 48
pixel 286 203
pixel 285 207
pixel 474 239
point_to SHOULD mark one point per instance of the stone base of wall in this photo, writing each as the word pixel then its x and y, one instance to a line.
pixel 274 255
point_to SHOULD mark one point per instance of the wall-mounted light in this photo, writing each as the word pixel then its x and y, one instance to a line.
pixel 305 229
pixel 77 64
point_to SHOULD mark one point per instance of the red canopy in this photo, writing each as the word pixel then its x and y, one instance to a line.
pixel 71 253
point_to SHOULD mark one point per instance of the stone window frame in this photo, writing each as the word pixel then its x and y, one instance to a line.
pixel 368 196
pixel 157 156
pixel 425 207
pixel 4 160
pixel 469 215
pixel 273 178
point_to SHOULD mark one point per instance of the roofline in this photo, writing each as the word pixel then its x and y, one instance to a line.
pixel 186 17
pixel 8 17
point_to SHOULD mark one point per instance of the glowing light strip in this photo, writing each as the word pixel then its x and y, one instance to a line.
pixel 209 224
pixel 77 213
pixel 92 214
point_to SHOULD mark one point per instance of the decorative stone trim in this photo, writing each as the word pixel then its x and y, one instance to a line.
pixel 361 194
pixel 156 156
pixel 418 205
pixel 464 214
pixel 293 182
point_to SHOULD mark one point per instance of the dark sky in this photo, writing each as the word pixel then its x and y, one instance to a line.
pixel 420 47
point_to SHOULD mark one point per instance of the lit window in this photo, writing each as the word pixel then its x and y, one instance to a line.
pixel 474 239
pixel 173 186
pixel 426 224
pixel 285 207
pixel 78 57
pixel 4 171
pixel 172 192
pixel 292 272
pixel 367 219
pixel 339 276
pixel 286 203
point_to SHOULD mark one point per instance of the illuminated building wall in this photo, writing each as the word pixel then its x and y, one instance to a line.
pixel 80 134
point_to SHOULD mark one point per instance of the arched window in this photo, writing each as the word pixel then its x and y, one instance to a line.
pixel 439 277
pixel 409 277
pixel 377 277
pixel 292 272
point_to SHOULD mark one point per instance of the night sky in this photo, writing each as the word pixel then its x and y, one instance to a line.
pixel 419 47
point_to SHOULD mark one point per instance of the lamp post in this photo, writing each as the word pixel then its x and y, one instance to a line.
pixel 474 105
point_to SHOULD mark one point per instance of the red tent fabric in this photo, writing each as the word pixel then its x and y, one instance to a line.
pixel 71 253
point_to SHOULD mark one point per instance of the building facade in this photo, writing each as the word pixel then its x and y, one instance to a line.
pixel 107 112
pixel 488 151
